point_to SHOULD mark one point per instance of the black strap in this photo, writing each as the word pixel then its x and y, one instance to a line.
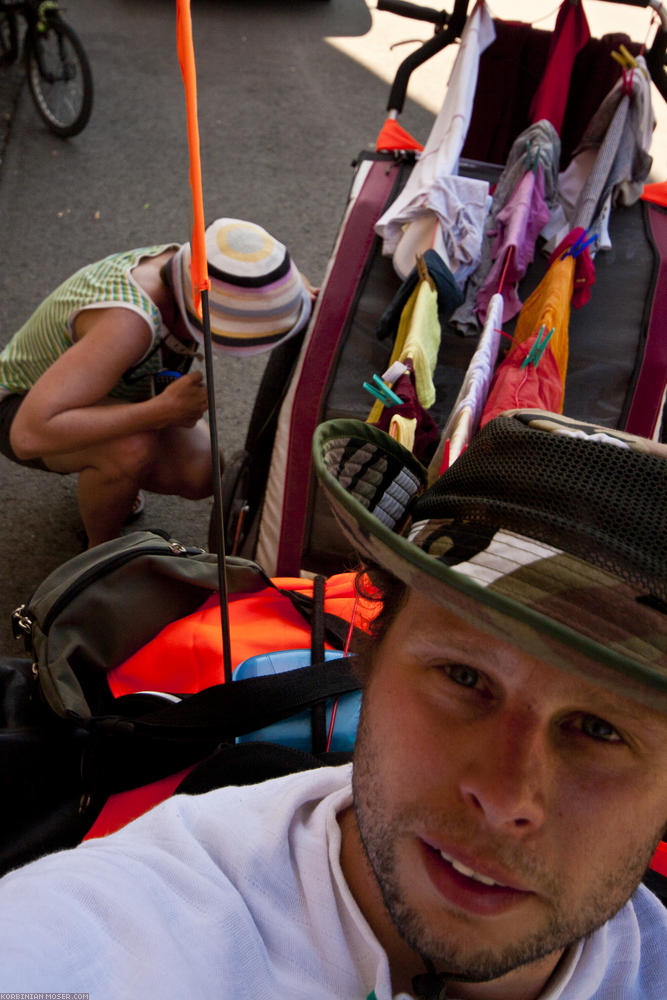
pixel 318 719
pixel 182 365
pixel 336 630
pixel 249 763
pixel 228 710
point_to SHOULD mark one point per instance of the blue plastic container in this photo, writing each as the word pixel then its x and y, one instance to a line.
pixel 295 731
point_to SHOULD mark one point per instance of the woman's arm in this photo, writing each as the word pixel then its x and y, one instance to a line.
pixel 68 407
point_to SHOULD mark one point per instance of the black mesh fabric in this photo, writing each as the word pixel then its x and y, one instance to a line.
pixel 588 498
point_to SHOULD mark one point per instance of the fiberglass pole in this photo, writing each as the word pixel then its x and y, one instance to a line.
pixel 200 288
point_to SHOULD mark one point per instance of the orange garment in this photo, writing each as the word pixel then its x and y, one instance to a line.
pixel 186 655
pixel 549 306
pixel 514 387
pixel 659 862
pixel 123 807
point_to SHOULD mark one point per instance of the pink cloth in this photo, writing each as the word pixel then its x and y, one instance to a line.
pixel 519 224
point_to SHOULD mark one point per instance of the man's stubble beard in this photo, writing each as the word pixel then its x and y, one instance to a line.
pixel 566 920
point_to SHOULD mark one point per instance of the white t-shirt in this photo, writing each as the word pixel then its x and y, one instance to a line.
pixel 239 894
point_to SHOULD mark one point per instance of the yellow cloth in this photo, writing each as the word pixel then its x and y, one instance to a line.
pixel 423 342
pixel 418 337
pixel 397 350
pixel 404 430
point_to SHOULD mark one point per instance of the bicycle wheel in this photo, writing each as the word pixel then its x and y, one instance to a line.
pixel 59 77
pixel 9 37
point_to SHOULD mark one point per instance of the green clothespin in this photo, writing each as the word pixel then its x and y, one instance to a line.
pixel 381 391
pixel 537 357
pixel 537 350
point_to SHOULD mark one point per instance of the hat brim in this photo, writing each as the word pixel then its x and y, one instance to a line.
pixel 237 349
pixel 563 637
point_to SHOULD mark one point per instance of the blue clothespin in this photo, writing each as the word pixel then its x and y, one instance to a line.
pixel 573 249
pixel 580 244
pixel 586 243
pixel 381 391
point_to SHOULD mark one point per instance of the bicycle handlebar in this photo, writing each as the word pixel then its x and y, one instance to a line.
pixel 415 11
pixel 454 26
pixel 656 60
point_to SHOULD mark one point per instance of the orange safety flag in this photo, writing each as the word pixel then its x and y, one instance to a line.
pixel 186 58
pixel 656 193
pixel 393 136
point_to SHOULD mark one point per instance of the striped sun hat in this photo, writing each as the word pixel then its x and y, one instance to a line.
pixel 257 297
pixel 548 533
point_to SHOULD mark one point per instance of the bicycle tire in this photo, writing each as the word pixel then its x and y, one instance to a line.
pixel 59 77
pixel 9 37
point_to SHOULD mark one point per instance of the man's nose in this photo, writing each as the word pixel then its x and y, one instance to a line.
pixel 506 776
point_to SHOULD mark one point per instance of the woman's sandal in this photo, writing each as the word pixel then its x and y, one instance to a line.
pixel 137 507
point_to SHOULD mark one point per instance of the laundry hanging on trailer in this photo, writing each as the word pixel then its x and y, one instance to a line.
pixel 516 212
pixel 611 163
pixel 534 371
pixel 570 34
pixel 446 211
pixel 464 418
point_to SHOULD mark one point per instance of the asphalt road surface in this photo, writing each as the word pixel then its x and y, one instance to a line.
pixel 282 114
pixel 285 103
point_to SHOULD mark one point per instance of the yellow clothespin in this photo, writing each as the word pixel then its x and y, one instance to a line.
pixel 629 58
pixel 626 60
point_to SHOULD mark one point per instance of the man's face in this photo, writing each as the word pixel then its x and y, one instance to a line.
pixel 507 808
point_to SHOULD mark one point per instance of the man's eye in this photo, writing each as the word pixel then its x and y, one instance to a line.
pixel 598 729
pixel 460 674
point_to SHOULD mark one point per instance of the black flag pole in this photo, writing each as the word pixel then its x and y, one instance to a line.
pixel 217 490
pixel 201 284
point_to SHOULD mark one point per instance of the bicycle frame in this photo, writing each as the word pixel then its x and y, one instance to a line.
pixel 37 15
pixel 55 61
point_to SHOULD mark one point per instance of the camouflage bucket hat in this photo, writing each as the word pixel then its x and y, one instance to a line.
pixel 548 533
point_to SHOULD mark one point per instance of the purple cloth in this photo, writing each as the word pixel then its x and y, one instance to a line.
pixel 518 225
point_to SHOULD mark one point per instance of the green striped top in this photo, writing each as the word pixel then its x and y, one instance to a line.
pixel 49 331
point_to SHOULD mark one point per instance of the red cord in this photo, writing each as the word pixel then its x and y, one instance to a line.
pixel 346 650
pixel 508 257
